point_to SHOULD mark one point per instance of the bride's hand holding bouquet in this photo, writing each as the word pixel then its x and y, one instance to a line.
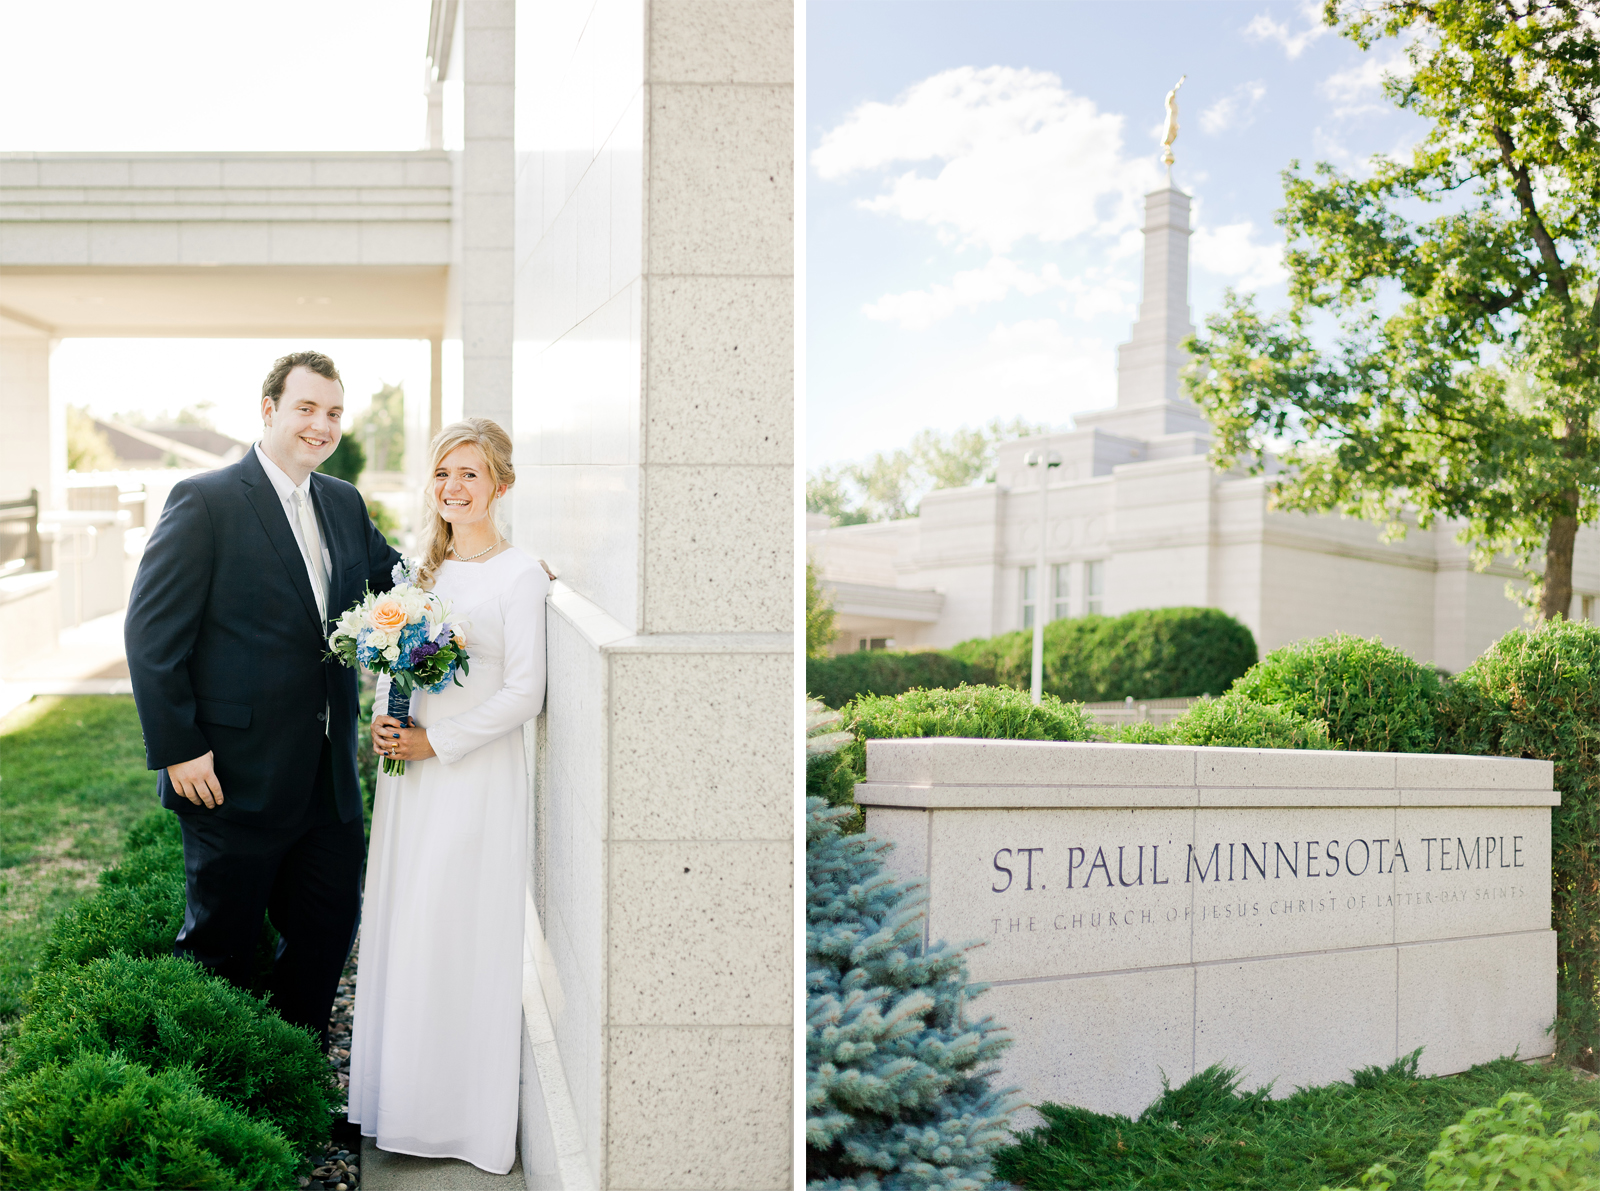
pixel 406 633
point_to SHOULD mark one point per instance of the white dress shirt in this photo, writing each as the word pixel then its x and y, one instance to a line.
pixel 286 490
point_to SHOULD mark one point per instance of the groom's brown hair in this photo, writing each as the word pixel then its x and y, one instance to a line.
pixel 272 387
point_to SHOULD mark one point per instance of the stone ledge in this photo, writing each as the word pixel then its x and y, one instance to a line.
pixel 950 772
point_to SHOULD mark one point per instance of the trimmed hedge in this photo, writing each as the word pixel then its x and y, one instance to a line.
pixel 1536 693
pixel 134 919
pixel 101 1121
pixel 836 681
pixel 137 1068
pixel 983 712
pixel 1371 696
pixel 139 907
pixel 154 1010
pixel 1155 653
pixel 1233 722
pixel 152 848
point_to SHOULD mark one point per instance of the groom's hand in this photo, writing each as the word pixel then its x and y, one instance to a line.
pixel 197 781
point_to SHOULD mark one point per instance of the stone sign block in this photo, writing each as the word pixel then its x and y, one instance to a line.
pixel 1145 911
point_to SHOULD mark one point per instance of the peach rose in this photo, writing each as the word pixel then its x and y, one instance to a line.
pixel 388 616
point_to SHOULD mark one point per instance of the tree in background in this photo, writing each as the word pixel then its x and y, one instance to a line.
pixel 820 630
pixel 890 486
pixel 1464 376
pixel 381 429
pixel 88 447
pixel 347 461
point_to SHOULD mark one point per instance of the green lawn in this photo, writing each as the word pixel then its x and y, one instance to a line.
pixel 72 780
pixel 1204 1135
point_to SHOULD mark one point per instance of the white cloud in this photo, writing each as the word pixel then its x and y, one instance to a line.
pixel 1043 373
pixel 1234 110
pixel 1016 155
pixel 1230 252
pixel 1029 369
pixel 1294 42
pixel 1359 89
pixel 918 309
pixel 1099 291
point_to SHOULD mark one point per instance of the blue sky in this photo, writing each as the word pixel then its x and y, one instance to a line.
pixel 974 182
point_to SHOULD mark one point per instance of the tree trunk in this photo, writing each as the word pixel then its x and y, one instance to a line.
pixel 1557 597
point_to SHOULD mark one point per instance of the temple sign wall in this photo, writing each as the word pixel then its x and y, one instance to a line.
pixel 1146 911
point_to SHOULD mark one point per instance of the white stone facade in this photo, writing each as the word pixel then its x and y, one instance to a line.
pixel 1137 518
pixel 652 399
pixel 1146 911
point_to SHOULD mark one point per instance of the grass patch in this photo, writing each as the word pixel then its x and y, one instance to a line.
pixel 1208 1135
pixel 72 780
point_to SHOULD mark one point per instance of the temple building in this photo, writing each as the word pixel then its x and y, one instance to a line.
pixel 1136 517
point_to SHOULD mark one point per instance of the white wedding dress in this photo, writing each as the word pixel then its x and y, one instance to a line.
pixel 436 1040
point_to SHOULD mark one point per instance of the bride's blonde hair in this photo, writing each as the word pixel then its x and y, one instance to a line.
pixel 495 446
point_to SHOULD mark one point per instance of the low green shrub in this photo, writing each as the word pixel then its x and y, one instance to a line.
pixel 1237 722
pixel 100 1121
pixel 1230 722
pixel 160 830
pixel 1371 696
pixel 135 919
pixel 830 778
pixel 1536 693
pixel 1155 653
pixel 1508 1147
pixel 849 676
pixel 984 712
pixel 153 848
pixel 1139 732
pixel 167 1010
pixel 898 1071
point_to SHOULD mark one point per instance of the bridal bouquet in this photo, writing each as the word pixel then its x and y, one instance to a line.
pixel 407 634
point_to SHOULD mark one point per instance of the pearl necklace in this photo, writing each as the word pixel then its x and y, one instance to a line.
pixel 479 554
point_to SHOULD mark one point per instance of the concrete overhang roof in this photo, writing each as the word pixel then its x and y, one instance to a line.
pixel 342 244
pixel 227 301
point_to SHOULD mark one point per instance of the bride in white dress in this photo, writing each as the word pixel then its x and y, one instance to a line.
pixel 437 1034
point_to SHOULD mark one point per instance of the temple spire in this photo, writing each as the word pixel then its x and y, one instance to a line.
pixel 1148 364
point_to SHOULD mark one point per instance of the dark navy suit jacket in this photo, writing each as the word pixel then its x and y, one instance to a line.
pixel 225 648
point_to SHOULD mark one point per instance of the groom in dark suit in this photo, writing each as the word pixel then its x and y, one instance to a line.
pixel 252 730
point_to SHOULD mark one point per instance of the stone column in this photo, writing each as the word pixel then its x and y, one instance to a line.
pixel 33 449
pixel 488 60
pixel 653 390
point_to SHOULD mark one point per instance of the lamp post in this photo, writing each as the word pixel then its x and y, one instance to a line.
pixel 1033 459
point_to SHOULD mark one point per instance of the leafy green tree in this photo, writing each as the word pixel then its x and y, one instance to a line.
pixel 347 461
pixel 890 485
pixel 828 491
pixel 381 429
pixel 88 447
pixel 1461 289
pixel 820 630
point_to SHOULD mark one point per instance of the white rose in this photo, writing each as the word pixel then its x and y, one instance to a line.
pixel 391 654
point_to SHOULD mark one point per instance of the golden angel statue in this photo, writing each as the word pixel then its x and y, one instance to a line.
pixel 1170 132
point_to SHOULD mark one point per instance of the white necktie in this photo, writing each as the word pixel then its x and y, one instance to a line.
pixel 312 542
